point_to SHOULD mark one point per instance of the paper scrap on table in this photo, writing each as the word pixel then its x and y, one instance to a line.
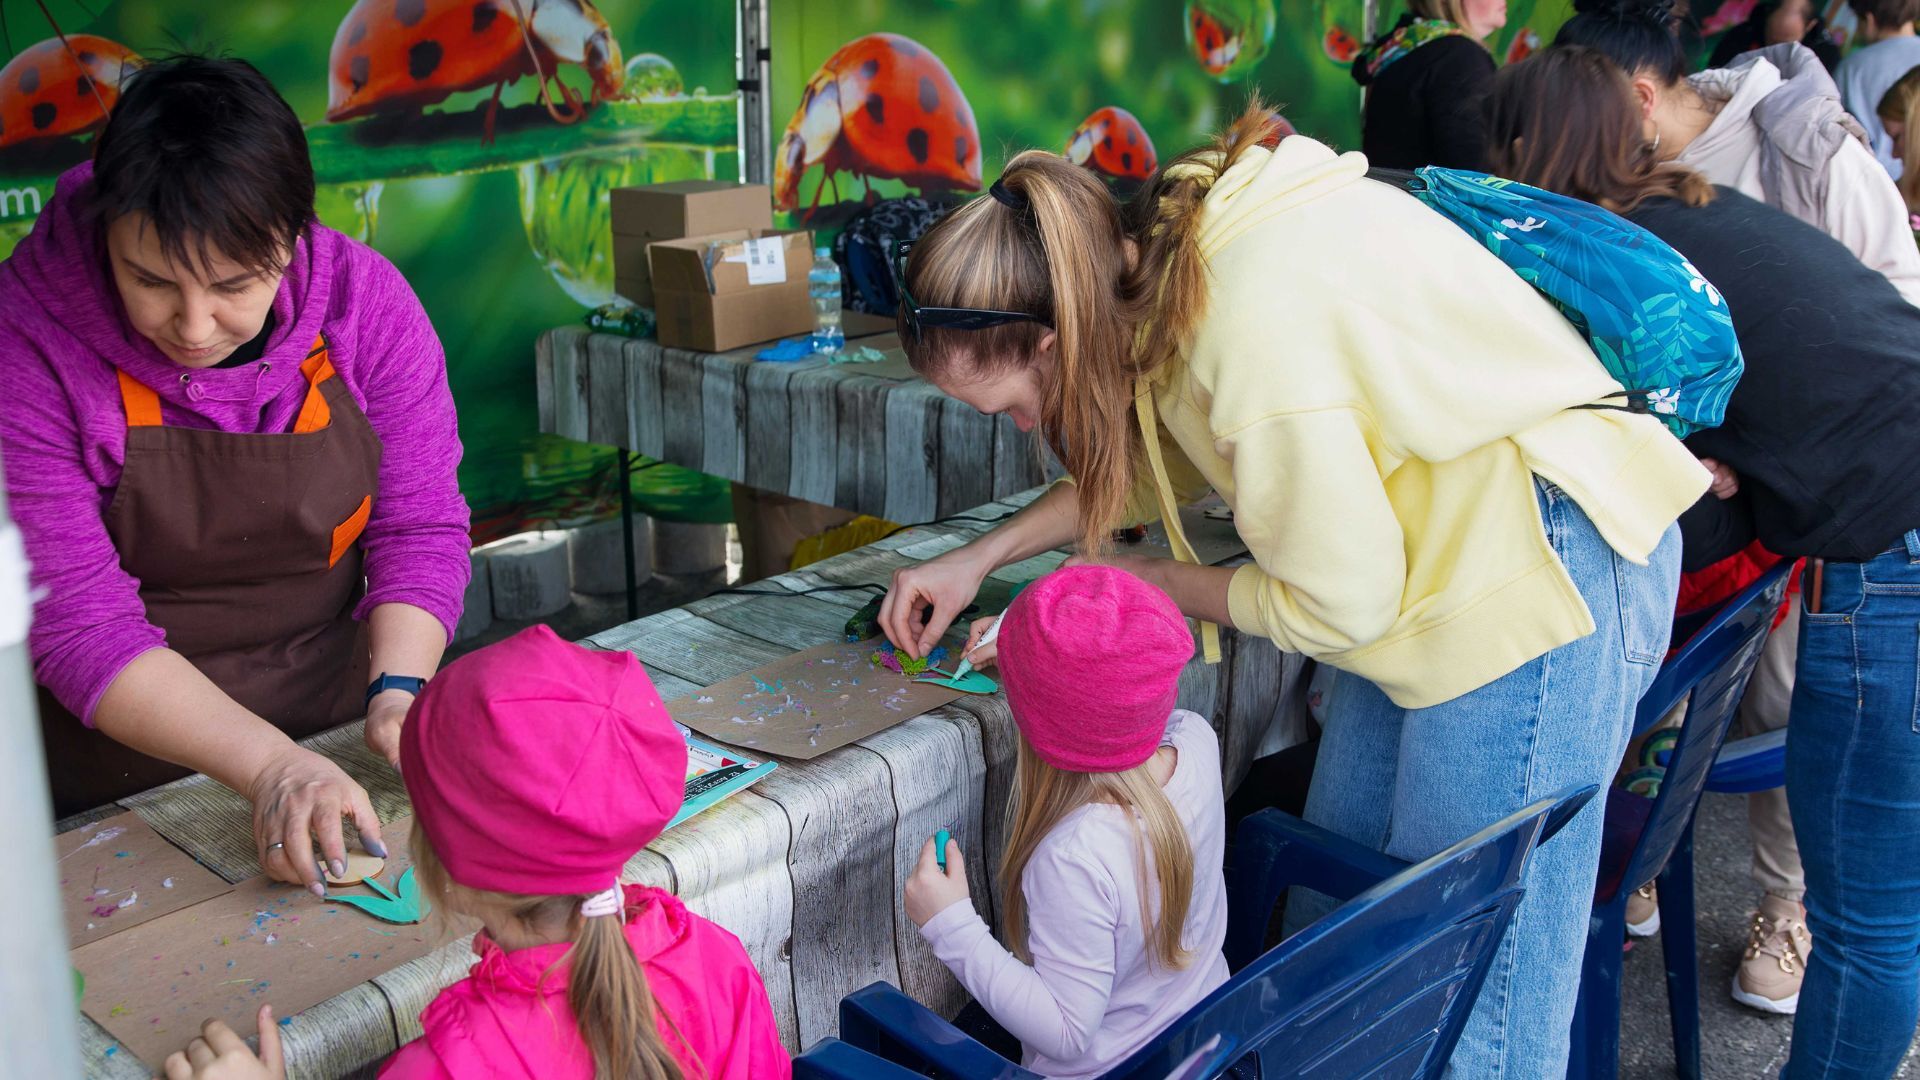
pixel 118 873
pixel 262 941
pixel 809 703
pixel 1213 538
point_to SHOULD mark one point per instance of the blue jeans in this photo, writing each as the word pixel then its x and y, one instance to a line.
pixel 1413 782
pixel 1853 782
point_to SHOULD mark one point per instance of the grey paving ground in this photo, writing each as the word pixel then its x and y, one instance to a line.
pixel 1737 1043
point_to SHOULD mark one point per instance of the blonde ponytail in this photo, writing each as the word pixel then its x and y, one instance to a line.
pixel 613 1008
pixel 1121 288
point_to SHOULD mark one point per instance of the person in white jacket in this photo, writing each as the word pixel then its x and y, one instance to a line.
pixel 1772 127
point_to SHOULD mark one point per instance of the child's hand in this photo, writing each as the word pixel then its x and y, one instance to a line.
pixel 219 1054
pixel 1726 482
pixel 932 890
pixel 981 655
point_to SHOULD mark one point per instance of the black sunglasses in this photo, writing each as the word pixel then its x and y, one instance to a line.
pixel 920 319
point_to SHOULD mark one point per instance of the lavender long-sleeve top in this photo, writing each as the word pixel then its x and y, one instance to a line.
pixel 63 336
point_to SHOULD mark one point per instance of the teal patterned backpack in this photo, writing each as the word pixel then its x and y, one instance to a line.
pixel 1659 327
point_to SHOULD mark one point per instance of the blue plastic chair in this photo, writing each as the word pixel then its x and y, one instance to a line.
pixel 1381 987
pixel 1648 837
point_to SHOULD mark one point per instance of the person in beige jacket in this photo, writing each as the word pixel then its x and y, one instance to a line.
pixel 1772 127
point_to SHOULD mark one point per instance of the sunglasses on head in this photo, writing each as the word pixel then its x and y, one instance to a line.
pixel 921 319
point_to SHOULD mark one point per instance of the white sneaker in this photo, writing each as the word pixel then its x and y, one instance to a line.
pixel 1643 912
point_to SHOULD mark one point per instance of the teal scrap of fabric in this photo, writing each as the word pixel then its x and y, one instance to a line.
pixel 401 904
pixel 973 682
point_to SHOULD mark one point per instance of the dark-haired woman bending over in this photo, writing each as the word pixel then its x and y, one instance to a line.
pixel 230 449
pixel 1820 432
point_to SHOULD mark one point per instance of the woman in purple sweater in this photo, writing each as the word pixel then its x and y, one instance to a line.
pixel 230 447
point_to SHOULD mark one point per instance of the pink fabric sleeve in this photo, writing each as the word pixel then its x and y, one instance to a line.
pixel 1054 1007
pixel 416 539
pixel 415 1061
pixel 88 619
pixel 752 1049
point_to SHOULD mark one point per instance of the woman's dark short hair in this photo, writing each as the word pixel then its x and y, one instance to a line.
pixel 1641 36
pixel 1889 14
pixel 213 156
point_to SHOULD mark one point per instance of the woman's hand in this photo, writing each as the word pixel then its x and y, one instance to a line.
pixel 220 1054
pixel 931 890
pixel 982 656
pixel 297 797
pixel 385 714
pixel 1726 482
pixel 924 600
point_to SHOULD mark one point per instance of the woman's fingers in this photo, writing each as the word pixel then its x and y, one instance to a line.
pixel 368 822
pixel 328 809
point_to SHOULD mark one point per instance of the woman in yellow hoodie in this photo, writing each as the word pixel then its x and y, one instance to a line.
pixel 1400 425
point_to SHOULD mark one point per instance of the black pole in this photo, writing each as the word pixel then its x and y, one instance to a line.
pixel 626 532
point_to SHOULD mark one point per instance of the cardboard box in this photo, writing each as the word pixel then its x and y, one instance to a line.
pixel 720 292
pixel 642 215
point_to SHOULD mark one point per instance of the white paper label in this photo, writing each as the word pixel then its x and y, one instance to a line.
pixel 766 261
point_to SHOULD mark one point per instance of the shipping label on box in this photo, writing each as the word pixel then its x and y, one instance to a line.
pixel 715 293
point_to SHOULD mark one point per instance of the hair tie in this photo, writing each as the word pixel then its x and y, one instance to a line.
pixel 1012 200
pixel 610 902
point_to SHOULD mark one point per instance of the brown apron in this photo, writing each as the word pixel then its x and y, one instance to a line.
pixel 245 548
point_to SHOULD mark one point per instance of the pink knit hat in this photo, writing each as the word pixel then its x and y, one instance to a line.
pixel 539 767
pixel 1091 659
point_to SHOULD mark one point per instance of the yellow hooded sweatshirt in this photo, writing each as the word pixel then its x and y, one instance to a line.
pixel 1373 393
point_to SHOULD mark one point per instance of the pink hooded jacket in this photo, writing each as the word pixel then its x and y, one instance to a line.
pixel 504 1020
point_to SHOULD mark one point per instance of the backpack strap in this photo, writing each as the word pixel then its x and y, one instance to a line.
pixel 1404 179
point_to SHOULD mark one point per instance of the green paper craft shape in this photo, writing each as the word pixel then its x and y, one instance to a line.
pixel 403 904
pixel 973 682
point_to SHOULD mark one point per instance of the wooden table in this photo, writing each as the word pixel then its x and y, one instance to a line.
pixel 833 434
pixel 807 866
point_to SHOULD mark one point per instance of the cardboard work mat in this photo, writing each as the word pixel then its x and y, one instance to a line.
pixel 262 941
pixel 809 703
pixel 118 873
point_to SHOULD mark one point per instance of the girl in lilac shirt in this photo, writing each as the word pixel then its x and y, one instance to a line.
pixel 230 449
pixel 1115 907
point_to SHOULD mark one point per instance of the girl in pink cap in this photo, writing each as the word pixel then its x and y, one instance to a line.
pixel 537 769
pixel 1115 907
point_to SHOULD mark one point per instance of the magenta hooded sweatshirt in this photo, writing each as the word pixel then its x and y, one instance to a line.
pixel 63 335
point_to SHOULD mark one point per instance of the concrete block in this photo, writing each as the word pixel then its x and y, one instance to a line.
pixel 681 547
pixel 529 574
pixel 598 555
pixel 476 612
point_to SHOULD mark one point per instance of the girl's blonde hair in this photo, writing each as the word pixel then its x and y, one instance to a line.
pixel 1901 103
pixel 606 988
pixel 1122 288
pixel 1044 795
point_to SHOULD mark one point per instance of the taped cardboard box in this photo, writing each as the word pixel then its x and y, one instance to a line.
pixel 673 211
pixel 720 292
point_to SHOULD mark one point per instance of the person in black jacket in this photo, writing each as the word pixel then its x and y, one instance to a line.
pixel 1427 81
pixel 1815 458
pixel 1777 22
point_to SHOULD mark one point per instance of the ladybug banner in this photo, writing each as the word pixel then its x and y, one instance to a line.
pixel 891 97
pixel 494 207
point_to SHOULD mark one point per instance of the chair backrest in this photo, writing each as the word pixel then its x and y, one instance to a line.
pixel 1710 672
pixel 1382 986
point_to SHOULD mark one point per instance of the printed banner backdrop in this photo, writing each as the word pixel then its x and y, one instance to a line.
pixel 503 233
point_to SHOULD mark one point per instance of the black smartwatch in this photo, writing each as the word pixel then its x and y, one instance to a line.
pixel 410 683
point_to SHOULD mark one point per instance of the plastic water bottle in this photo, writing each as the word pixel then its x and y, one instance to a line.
pixel 823 284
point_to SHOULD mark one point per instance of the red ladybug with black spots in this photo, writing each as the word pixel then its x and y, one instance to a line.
pixel 883 105
pixel 53 89
pixel 1113 142
pixel 403 55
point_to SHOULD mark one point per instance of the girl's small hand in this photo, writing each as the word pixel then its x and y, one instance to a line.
pixel 931 890
pixel 982 656
pixel 219 1054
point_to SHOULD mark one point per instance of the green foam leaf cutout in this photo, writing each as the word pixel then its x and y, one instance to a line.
pixel 401 904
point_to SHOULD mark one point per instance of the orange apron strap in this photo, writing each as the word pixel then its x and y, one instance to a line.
pixel 318 368
pixel 142 404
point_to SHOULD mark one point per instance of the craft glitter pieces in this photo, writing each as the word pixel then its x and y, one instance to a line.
pixel 886 656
